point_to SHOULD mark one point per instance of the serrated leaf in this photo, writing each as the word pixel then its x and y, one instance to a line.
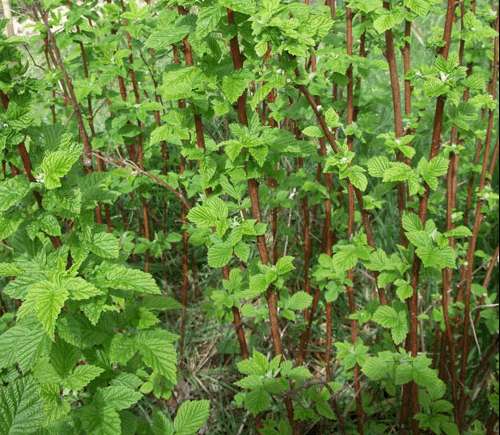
pixel 48 299
pixel 384 22
pixel 234 85
pixel 420 7
pixel 377 166
pixel 356 177
pixel 50 225
pixel 21 407
pixel 219 254
pixel 12 191
pixel 397 171
pixel 259 154
pixel 258 283
pixel 313 131
pixel 386 316
pixel 257 400
pixel 346 258
pixel 163 39
pixel 124 278
pixel 460 231
pixel 400 331
pixel 411 222
pixel 404 374
pixel 450 428
pixel 122 348
pixel 299 301
pixel 404 289
pixel 161 303
pixel 158 353
pixel 191 416
pixel 208 17
pixel 244 6
pixel 81 376
pixel 118 396
pixel 285 265
pixel 432 169
pixel 376 368
pixel 10 269
pixel 202 216
pixel 242 251
pixel 55 166
pixel 218 206
pixel 79 289
pixel 432 256
pixel 100 420
pixel 161 425
pixel 24 344
pixel 105 245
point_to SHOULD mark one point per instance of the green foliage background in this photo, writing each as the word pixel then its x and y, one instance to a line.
pixel 246 197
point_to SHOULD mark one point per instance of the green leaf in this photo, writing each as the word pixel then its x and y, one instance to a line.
pixel 21 407
pixel 432 169
pixel 432 256
pixel 259 154
pixel 257 400
pixel 376 368
pixel 48 299
pixel 247 7
pixel 346 258
pixel 160 303
pixel 356 176
pixel 10 269
pixel 79 289
pixel 163 39
pixel 250 382
pixel 118 396
pixel 81 376
pixel 242 251
pixel 100 420
pixel 9 224
pixel 404 289
pixel 420 7
pixel 442 406
pixel 450 428
pixel 203 216
pixel 191 416
pixel 400 331
pixel 397 171
pixel 12 191
pixel 411 222
pixel 386 316
pixel 50 225
pixel 234 85
pixel 258 283
pixel 299 301
pixel 313 131
pixel 161 425
pixel 218 206
pixel 377 166
pixel 208 18
pixel 384 22
pixel 124 278
pixel 24 344
pixel 285 265
pixel 404 373
pixel 460 231
pixel 219 254
pixel 105 245
pixel 56 165
pixel 158 353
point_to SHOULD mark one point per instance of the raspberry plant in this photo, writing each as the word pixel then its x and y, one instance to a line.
pixel 319 177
